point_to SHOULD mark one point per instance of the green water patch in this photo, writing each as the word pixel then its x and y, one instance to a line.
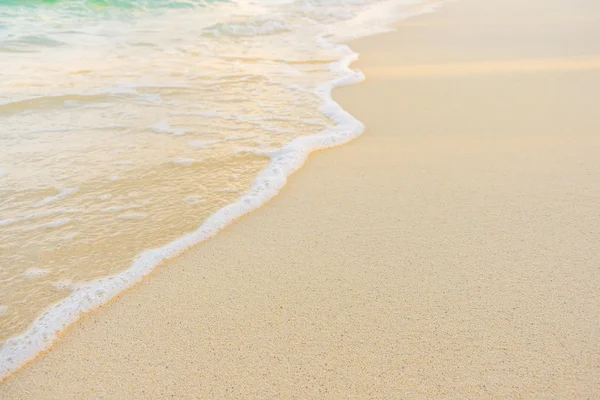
pixel 127 4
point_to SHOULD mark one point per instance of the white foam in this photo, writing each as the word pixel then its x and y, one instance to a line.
pixel 117 90
pixel 3 309
pixel 55 223
pixel 256 151
pixel 241 137
pixel 163 126
pixel 283 162
pixel 70 236
pixel 2 173
pixel 205 114
pixel 54 129
pixel 62 193
pixel 105 197
pixel 186 162
pixel 251 28
pixel 42 214
pixel 123 207
pixel 35 272
pixel 108 127
pixel 150 98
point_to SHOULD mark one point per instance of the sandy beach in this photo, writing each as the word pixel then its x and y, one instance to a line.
pixel 451 252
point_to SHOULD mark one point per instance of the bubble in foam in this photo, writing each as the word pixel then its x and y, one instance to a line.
pixel 3 309
pixel 105 197
pixel 114 178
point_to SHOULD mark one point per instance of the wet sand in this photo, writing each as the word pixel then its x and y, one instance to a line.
pixel 450 252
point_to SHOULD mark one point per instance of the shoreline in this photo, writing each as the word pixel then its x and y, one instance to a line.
pixel 286 320
pixel 45 330
pixel 87 297
pixel 37 334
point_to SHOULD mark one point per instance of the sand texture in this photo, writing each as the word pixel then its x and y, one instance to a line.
pixel 451 252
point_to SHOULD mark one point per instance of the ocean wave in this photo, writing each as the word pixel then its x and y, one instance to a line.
pixel 252 28
pixel 239 83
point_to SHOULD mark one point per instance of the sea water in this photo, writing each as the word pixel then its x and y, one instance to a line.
pixel 131 130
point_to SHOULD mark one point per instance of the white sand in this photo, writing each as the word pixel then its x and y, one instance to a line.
pixel 453 251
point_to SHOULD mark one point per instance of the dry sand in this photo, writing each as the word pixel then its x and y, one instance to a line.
pixel 453 251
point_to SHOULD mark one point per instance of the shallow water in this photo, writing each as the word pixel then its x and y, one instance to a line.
pixel 125 125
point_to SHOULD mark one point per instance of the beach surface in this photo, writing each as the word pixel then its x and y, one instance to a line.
pixel 452 251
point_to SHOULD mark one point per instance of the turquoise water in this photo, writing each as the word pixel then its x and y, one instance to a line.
pixel 19 18
pixel 99 4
